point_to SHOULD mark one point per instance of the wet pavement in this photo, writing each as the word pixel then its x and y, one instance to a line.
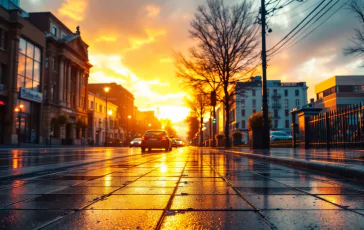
pixel 188 188
pixel 345 156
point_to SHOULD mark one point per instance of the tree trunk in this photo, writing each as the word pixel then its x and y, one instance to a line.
pixel 201 132
pixel 227 120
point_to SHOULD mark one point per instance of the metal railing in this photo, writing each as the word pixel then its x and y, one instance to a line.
pixel 342 128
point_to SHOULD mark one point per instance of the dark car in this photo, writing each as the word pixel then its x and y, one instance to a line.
pixel 177 143
pixel 156 139
pixel 136 142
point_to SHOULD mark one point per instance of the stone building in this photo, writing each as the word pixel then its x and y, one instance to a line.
pixel 22 48
pixel 121 97
pixel 102 119
pixel 66 76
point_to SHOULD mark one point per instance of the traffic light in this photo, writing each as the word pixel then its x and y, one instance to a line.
pixel 214 121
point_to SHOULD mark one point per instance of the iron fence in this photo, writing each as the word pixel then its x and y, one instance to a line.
pixel 342 128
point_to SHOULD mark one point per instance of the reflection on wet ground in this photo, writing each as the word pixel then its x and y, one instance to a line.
pixel 188 188
pixel 346 156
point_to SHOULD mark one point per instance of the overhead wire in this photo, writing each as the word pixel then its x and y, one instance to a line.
pixel 286 39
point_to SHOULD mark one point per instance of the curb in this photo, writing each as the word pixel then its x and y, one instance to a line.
pixel 344 170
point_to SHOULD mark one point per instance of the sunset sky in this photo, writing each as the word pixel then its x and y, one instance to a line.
pixel 132 43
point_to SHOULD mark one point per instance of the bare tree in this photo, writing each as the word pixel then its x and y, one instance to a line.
pixel 226 42
pixel 199 105
pixel 358 40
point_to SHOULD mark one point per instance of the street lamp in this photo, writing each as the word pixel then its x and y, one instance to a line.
pixel 149 124
pixel 18 110
pixel 106 89
pixel 127 129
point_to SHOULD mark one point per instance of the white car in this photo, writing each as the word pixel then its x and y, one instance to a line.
pixel 136 142
pixel 279 136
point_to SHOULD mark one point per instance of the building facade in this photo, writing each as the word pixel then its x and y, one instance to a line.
pixel 339 92
pixel 102 119
pixel 22 51
pixel 282 98
pixel 66 76
pixel 123 99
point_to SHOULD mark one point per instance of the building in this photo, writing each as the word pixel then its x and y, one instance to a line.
pixel 124 100
pixel 102 119
pixel 339 92
pixel 66 76
pixel 145 120
pixel 282 98
pixel 22 51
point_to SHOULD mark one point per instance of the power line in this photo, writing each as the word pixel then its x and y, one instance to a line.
pixel 299 30
pixel 309 33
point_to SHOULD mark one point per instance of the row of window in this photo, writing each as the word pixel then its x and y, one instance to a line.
pixel 275 103
pixel 275 124
pixel 275 92
pixel 275 112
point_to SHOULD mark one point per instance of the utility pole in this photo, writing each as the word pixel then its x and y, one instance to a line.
pixel 265 140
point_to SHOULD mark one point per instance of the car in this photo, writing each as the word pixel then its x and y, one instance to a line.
pixel 177 143
pixel 136 142
pixel 279 136
pixel 156 139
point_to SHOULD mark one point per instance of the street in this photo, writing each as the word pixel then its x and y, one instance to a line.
pixel 188 188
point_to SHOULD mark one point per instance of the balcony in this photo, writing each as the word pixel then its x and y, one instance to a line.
pixel 276 106
pixel 276 96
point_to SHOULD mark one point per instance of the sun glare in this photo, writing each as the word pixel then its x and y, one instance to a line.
pixel 174 113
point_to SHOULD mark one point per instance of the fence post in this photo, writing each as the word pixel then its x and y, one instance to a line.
pixel 327 123
pixel 343 120
pixel 304 115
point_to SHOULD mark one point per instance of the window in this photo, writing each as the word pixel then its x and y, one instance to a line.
pixel 275 102
pixel 91 105
pixel 320 95
pixel 276 124
pixel 286 103
pixel 243 103
pixel 275 113
pixel 53 92
pixel 46 62
pixel 287 124
pixel 54 31
pixel 275 92
pixel 243 124
pixel 2 39
pixel 254 111
pixel 254 103
pixel 297 92
pixel 243 112
pixel 100 109
pixel 286 112
pixel 286 93
pixel 29 66
pixel 297 103
pixel 253 92
pixel 2 73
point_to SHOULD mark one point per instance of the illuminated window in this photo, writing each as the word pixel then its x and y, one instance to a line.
pixel 29 66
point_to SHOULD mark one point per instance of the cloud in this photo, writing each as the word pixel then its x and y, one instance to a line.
pixel 75 9
pixel 151 33
pixel 152 10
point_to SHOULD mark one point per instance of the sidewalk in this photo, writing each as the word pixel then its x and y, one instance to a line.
pixel 347 163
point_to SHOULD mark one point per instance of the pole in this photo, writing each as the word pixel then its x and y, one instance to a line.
pixel 265 140
pixel 106 123
pixel 214 127
pixel 19 119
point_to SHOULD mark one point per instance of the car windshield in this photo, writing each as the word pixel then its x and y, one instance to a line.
pixel 137 139
pixel 279 133
pixel 155 133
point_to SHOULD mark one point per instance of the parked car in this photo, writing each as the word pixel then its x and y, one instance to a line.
pixel 279 136
pixel 177 143
pixel 156 139
pixel 136 142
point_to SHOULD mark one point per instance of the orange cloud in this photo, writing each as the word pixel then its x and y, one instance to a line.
pixel 152 10
pixel 151 33
pixel 75 9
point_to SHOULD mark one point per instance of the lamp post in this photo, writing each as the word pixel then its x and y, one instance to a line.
pixel 110 113
pixel 106 89
pixel 18 110
pixel 98 139
pixel 127 129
